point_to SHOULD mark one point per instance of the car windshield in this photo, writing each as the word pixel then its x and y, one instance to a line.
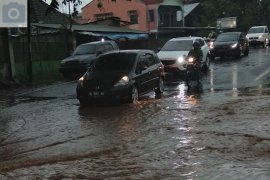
pixel 85 49
pixel 115 62
pixel 227 37
pixel 182 45
pixel 256 30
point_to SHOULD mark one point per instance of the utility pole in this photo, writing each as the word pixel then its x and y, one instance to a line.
pixel 29 62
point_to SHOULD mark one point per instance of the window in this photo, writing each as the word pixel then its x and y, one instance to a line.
pixel 133 15
pixel 108 47
pixel 150 15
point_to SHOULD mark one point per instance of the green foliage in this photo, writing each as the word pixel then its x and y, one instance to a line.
pixel 55 5
pixel 248 12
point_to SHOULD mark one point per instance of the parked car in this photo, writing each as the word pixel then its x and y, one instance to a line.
pixel 83 56
pixel 229 44
pixel 174 52
pixel 258 35
pixel 124 74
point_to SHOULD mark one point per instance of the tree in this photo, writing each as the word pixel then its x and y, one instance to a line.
pixel 54 5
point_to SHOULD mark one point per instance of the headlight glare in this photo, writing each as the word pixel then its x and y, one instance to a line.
pixel 122 82
pixel 80 81
pixel 180 59
pixel 234 45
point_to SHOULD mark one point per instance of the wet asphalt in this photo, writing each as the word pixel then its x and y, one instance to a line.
pixel 46 134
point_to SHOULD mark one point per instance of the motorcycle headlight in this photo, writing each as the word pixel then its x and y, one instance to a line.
pixel 190 59
pixel 122 82
pixel 234 45
pixel 81 81
pixel 181 59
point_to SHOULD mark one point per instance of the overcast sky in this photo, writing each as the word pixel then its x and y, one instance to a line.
pixel 64 9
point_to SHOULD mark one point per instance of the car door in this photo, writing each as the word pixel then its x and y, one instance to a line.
pixel 142 76
pixel 153 71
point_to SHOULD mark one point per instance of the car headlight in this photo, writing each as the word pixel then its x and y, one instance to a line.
pixel 181 59
pixel 211 45
pixel 261 36
pixel 122 82
pixel 81 81
pixel 234 45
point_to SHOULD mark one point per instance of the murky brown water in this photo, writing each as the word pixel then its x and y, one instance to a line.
pixel 216 132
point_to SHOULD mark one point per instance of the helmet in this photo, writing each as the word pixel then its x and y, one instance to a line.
pixel 196 45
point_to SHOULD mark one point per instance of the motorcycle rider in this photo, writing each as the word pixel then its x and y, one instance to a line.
pixel 196 52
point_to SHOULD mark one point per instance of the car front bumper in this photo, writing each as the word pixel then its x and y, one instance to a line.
pixel 224 52
pixel 115 93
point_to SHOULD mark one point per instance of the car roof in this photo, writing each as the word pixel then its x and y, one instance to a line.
pixel 258 26
pixel 135 51
pixel 185 38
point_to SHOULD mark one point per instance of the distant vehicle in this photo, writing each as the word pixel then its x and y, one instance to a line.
pixel 124 74
pixel 173 54
pixel 83 56
pixel 229 44
pixel 258 35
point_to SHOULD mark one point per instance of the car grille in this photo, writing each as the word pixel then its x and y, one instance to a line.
pixel 72 62
pixel 251 38
pixel 222 47
pixel 168 62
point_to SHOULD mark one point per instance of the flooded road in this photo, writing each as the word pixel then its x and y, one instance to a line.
pixel 218 131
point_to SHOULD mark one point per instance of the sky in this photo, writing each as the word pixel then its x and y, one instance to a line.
pixel 64 9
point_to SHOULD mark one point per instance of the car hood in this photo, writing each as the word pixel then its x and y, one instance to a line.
pixel 224 43
pixel 104 79
pixel 167 55
pixel 82 58
pixel 254 35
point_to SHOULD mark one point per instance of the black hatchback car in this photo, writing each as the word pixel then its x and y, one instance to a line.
pixel 229 44
pixel 76 65
pixel 124 74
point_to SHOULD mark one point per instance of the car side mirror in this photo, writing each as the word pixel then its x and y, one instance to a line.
pixel 144 68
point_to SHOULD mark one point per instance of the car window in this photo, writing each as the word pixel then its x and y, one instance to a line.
pixel 115 62
pixel 85 49
pixel 227 37
pixel 266 30
pixel 142 63
pixel 150 59
pixel 181 45
pixel 256 30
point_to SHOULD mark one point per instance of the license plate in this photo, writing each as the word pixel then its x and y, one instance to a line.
pixel 96 94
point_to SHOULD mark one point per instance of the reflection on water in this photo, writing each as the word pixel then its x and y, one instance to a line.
pixel 234 80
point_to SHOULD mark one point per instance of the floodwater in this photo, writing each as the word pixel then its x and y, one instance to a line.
pixel 217 131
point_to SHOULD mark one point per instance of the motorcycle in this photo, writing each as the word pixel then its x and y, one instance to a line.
pixel 193 71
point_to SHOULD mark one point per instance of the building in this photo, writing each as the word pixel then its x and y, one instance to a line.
pixel 143 15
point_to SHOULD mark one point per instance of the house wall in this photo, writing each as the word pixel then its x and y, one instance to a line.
pixel 120 9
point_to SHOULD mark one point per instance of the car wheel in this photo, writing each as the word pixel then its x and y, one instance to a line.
pixel 265 44
pixel 160 88
pixel 134 95
pixel 83 102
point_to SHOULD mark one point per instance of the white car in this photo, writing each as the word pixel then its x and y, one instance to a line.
pixel 258 35
pixel 174 52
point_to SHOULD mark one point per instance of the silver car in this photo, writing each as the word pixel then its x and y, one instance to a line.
pixel 173 54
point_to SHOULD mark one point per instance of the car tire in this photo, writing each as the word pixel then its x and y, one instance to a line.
pixel 160 88
pixel 83 102
pixel 134 95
